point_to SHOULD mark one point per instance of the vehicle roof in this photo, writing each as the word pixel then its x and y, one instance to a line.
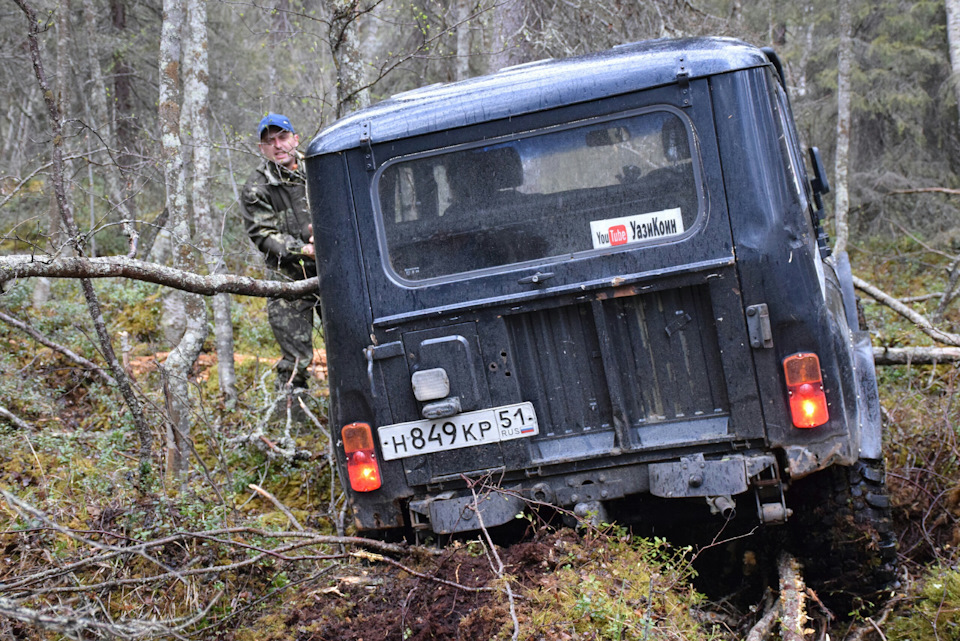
pixel 536 86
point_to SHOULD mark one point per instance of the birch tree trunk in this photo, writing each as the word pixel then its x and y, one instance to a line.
pixel 510 46
pixel 177 367
pixel 196 105
pixel 953 42
pixel 344 41
pixel 463 39
pixel 842 161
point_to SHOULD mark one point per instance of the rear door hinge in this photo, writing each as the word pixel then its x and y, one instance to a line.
pixel 366 141
pixel 758 326
pixel 683 81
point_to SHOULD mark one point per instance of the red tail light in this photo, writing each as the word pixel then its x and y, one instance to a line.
pixel 362 466
pixel 808 405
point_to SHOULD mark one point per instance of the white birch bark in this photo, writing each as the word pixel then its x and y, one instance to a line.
pixel 510 45
pixel 177 367
pixel 344 40
pixel 842 160
pixel 209 237
pixel 953 42
pixel 463 39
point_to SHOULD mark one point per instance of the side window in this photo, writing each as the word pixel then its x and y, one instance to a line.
pixel 790 144
pixel 551 193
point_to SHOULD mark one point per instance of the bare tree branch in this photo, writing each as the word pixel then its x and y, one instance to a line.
pixel 26 266
pixel 70 354
pixel 916 355
pixel 918 319
pixel 926 190
pixel 14 419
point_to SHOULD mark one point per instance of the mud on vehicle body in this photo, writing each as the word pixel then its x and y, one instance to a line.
pixel 587 281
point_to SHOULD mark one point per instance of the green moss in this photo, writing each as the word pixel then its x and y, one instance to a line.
pixel 934 614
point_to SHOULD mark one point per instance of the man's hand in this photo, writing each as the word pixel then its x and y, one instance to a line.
pixel 308 249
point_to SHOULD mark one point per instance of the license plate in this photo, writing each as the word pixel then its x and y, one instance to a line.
pixel 481 427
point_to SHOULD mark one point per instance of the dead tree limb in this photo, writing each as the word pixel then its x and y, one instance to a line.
pixel 65 351
pixel 925 190
pixel 14 419
pixel 793 620
pixel 29 266
pixel 764 627
pixel 915 355
pixel 918 319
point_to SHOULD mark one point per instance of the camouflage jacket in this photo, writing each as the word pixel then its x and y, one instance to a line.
pixel 276 215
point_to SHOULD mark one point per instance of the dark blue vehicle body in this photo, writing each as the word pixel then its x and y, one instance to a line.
pixel 653 367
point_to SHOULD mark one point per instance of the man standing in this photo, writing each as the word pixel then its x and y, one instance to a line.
pixel 275 212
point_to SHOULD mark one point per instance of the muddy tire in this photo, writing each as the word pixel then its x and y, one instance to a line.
pixel 842 531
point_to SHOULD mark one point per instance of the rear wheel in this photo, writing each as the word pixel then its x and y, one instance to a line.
pixel 843 532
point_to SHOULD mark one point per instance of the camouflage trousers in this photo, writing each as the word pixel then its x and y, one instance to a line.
pixel 292 325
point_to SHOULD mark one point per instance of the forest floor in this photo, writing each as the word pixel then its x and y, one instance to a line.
pixel 256 545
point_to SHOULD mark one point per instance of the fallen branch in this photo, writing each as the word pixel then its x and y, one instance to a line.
pixel 280 506
pixel 793 620
pixel 874 626
pixel 764 627
pixel 370 556
pixel 14 419
pixel 918 319
pixel 925 190
pixel 31 266
pixel 65 351
pixel 915 355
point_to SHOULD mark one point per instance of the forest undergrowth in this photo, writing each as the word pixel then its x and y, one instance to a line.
pixel 257 543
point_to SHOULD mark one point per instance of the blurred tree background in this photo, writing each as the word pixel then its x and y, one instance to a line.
pixel 279 56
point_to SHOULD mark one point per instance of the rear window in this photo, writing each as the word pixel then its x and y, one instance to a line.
pixel 554 193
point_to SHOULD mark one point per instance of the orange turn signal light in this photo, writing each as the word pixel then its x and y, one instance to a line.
pixel 808 405
pixel 362 466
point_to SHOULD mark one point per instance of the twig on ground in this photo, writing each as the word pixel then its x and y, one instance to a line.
pixel 764 627
pixel 874 626
pixel 498 568
pixel 370 556
pixel 280 506
pixel 15 420
pixel 66 352
pixel 918 319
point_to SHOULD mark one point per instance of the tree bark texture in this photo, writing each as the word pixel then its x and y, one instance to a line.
pixel 793 610
pixel 26 266
pixel 916 355
pixel 510 44
pixel 177 367
pixel 196 97
pixel 463 39
pixel 842 161
pixel 352 87
pixel 90 295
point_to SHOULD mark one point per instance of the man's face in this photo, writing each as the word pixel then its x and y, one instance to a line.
pixel 278 145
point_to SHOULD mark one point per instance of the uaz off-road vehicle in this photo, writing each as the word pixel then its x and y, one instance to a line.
pixel 598 283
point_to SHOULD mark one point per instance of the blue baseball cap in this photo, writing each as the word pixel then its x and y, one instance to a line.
pixel 275 120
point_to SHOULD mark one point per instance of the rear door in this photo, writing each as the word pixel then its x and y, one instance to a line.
pixel 578 261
